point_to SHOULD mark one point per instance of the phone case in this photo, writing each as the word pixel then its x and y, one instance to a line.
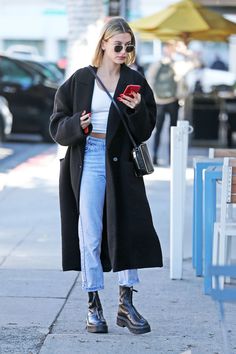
pixel 131 88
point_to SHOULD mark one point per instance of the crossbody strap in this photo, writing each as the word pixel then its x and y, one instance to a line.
pixel 115 104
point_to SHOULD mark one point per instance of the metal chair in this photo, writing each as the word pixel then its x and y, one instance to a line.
pixel 215 158
pixel 225 228
pixel 228 294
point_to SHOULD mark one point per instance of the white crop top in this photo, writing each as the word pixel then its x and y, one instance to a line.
pixel 100 109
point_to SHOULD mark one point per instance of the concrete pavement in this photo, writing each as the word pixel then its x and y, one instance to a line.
pixel 43 310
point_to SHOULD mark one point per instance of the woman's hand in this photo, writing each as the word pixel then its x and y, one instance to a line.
pixel 130 101
pixel 85 120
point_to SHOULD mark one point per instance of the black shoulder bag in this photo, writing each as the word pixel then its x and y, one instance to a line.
pixel 141 157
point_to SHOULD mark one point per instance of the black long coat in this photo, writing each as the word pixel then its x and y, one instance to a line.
pixel 129 239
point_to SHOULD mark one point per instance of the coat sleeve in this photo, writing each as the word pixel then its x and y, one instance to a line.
pixel 65 126
pixel 142 120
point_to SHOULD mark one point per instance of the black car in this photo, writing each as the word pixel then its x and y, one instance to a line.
pixel 30 96
pixel 5 119
pixel 47 70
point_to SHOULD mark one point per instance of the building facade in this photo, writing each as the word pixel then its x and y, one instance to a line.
pixel 44 25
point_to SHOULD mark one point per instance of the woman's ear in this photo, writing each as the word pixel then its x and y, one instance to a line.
pixel 103 45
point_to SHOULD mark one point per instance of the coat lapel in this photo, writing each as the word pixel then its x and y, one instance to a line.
pixel 86 85
pixel 113 118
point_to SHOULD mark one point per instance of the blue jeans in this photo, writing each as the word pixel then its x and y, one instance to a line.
pixel 92 194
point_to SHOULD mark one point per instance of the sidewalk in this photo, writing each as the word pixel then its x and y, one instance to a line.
pixel 43 310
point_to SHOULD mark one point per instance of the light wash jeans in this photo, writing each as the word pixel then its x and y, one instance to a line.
pixel 92 194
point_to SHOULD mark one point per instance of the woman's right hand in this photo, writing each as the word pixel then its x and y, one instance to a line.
pixel 85 119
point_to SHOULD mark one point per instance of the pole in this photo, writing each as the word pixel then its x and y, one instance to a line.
pixel 123 8
pixel 179 149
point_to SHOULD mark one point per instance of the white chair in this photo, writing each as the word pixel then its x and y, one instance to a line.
pixel 225 228
pixel 221 153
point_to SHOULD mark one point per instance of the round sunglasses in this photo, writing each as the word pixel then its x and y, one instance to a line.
pixel 128 48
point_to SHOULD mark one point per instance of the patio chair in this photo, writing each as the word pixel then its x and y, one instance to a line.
pixel 221 153
pixel 221 296
pixel 225 228
pixel 200 163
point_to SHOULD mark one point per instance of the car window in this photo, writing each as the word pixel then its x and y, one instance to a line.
pixel 12 73
pixel 43 70
pixel 55 70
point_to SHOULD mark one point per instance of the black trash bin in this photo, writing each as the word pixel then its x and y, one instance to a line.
pixel 205 118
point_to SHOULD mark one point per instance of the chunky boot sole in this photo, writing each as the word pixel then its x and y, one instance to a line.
pixel 97 329
pixel 124 322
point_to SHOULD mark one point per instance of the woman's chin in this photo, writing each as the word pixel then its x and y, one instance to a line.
pixel 120 61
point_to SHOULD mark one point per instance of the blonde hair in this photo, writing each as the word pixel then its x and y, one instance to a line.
pixel 114 26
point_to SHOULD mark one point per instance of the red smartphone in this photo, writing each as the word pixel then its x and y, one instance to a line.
pixel 131 88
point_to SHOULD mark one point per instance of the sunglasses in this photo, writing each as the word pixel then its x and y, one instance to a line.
pixel 128 48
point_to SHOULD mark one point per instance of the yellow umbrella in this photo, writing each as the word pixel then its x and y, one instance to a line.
pixel 185 20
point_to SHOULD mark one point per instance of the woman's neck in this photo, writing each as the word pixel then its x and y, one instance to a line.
pixel 109 73
pixel 109 69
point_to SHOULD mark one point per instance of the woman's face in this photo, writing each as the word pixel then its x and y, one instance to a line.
pixel 116 46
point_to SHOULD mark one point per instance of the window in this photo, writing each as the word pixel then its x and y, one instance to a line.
pixel 62 48
pixel 12 73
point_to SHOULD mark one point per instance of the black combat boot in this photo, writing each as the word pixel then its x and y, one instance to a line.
pixel 128 316
pixel 95 320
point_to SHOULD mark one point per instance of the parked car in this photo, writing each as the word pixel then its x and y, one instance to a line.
pixel 47 70
pixel 56 68
pixel 30 96
pixel 22 51
pixel 5 119
pixel 31 55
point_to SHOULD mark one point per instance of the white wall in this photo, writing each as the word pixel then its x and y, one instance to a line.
pixel 148 7
pixel 34 20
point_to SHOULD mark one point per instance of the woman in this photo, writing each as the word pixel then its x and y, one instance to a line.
pixel 98 187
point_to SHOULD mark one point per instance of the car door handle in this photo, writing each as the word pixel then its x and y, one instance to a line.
pixel 9 89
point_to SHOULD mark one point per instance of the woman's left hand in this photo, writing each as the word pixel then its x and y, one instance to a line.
pixel 130 101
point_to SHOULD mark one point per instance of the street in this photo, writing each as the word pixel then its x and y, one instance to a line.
pixel 18 148
pixel 43 309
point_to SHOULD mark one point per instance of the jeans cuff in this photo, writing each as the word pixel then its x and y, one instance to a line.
pixel 95 288
pixel 130 284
